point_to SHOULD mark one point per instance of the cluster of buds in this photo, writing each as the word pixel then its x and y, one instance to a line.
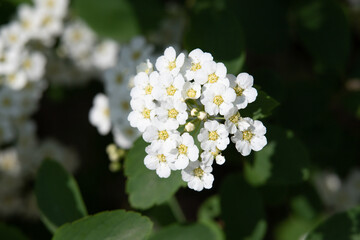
pixel 186 109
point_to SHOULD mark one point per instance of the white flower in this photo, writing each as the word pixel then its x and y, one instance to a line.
pixel 56 7
pixel 158 134
pixel 144 85
pixel 233 121
pixel 143 113
pixel 16 80
pixel 105 54
pixel 169 63
pixel 242 85
pixel 250 138
pixel 9 162
pixel 191 90
pixel 50 25
pixel 213 135
pixel 195 65
pixel 185 150
pixel 160 160
pixel 9 58
pixel 116 79
pixel 33 64
pixel 9 103
pixel 135 52
pixel 208 157
pixel 198 176
pixel 13 36
pixel 7 133
pixel 124 135
pixel 168 87
pixel 218 98
pixel 146 67
pixel 172 113
pixel 214 73
pixel 29 19
pixel 99 115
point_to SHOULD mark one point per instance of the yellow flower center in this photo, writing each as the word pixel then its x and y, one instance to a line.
pixel 191 93
pixel 25 24
pixel 125 105
pixel 46 21
pixel 172 65
pixel 171 90
pixel 148 89
pixel 163 135
pixel 172 113
pixel 136 55
pixel 12 77
pixel 27 64
pixel 77 36
pixel 235 118
pixel 146 113
pixel 182 149
pixel 218 100
pixel 161 158
pixel 119 79
pixel 195 66
pixel 217 152
pixel 213 136
pixel 50 3
pixel 107 112
pixel 198 172
pixel 212 78
pixel 247 135
pixel 238 90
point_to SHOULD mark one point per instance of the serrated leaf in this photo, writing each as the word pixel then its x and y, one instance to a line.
pixel 261 108
pixel 144 187
pixel 118 224
pixel 344 226
pixel 8 232
pixel 277 163
pixel 196 231
pixel 58 195
pixel 242 209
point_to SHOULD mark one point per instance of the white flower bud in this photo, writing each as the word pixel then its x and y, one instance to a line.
pixel 189 127
pixel 202 115
pixel 194 112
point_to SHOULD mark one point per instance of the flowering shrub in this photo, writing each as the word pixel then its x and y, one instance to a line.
pixel 162 90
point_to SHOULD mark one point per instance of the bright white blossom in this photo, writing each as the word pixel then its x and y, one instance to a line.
pixel 169 62
pixel 196 65
pixel 198 176
pixel 160 160
pixel 213 135
pixel 186 151
pixel 251 137
pixel 218 98
pixel 243 86
pixel 100 114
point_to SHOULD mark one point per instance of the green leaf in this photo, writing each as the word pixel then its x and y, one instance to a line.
pixel 144 187
pixel 344 226
pixel 206 31
pixel 10 233
pixel 118 224
pixel 293 228
pixel 242 209
pixel 261 108
pixel 317 22
pixel 284 161
pixel 267 30
pixel 109 18
pixel 58 195
pixel 196 231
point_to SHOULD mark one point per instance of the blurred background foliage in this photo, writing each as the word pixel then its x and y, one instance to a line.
pixel 305 54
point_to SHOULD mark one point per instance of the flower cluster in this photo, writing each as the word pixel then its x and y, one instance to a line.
pixel 186 110
pixel 110 110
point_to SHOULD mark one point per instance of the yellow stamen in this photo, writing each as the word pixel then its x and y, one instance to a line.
pixel 172 113
pixel 212 78
pixel 171 90
pixel 163 135
pixel 182 149
pixel 238 90
pixel 247 135
pixel 235 118
pixel 213 136
pixel 191 93
pixel 148 89
pixel 146 113
pixel 161 157
pixel 218 100
pixel 172 65
pixel 198 172
pixel 195 66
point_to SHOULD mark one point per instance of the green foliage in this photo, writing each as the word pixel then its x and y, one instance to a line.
pixel 316 23
pixel 58 195
pixel 196 231
pixel 206 31
pixel 119 225
pixel 344 226
pixel 110 18
pixel 277 164
pixel 10 233
pixel 242 209
pixel 261 108
pixel 144 187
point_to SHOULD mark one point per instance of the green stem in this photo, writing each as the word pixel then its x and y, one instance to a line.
pixel 176 210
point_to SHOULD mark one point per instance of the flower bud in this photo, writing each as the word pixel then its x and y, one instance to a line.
pixel 194 112
pixel 202 115
pixel 189 127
